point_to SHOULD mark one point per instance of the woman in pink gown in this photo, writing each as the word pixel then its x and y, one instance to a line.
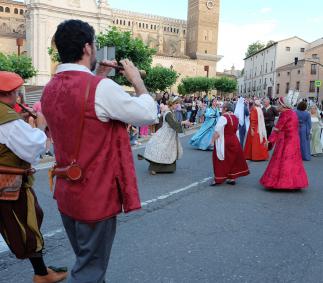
pixel 285 169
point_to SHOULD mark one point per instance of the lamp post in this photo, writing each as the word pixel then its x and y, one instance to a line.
pixel 20 42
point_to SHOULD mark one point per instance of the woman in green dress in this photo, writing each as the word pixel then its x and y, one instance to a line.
pixel 164 148
pixel 316 146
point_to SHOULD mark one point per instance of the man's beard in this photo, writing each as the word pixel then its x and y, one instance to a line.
pixel 93 64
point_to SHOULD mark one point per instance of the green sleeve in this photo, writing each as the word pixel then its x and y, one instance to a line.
pixel 173 123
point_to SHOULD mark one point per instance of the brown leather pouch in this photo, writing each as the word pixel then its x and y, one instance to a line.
pixel 11 182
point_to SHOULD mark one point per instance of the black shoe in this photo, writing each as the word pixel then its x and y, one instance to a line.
pixel 231 182
pixel 140 157
pixel 48 153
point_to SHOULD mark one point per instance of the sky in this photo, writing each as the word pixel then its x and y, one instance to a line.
pixel 245 21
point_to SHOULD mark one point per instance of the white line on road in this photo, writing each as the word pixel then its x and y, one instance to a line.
pixel 4 248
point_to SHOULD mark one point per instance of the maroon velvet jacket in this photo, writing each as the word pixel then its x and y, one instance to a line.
pixel 109 183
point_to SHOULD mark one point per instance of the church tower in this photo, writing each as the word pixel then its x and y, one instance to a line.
pixel 202 29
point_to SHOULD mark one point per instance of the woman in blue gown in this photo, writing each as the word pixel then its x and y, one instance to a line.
pixel 202 138
pixel 304 130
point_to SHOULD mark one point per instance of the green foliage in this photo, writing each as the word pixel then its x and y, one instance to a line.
pixel 225 84
pixel 53 53
pixel 127 47
pixel 160 78
pixel 270 42
pixel 253 48
pixel 181 89
pixel 204 84
pixel 21 65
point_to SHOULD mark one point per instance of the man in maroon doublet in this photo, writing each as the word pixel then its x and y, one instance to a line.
pixel 89 112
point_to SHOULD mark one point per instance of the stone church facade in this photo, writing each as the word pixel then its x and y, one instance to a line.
pixel 189 47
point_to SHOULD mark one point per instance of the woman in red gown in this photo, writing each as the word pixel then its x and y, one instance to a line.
pixel 255 148
pixel 285 169
pixel 228 159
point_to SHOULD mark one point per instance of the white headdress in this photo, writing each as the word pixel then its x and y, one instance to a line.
pixel 290 100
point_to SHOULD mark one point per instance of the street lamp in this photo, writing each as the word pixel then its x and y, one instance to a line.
pixel 20 42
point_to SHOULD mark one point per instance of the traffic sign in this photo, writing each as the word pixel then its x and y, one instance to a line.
pixel 318 83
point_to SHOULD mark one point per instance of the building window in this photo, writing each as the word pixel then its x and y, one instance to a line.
pixel 266 67
pixel 277 89
pixel 313 69
pixel 1 9
pixel 288 73
pixel 7 10
pixel 287 88
pixel 278 74
pixel 298 72
pixel 287 48
pixel 205 51
pixel 184 31
pixel 302 49
pixel 21 12
pixel 146 26
pixel 16 11
pixel 312 86
pixel 314 56
pixel 164 28
pixel 129 23
pixel 139 24
pixel 297 85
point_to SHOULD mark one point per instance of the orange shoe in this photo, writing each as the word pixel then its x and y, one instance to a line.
pixel 51 277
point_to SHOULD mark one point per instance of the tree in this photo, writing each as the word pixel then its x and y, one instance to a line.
pixel 160 78
pixel 270 42
pixel 127 47
pixel 21 65
pixel 253 48
pixel 53 53
pixel 225 84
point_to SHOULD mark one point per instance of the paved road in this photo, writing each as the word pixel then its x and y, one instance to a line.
pixel 190 232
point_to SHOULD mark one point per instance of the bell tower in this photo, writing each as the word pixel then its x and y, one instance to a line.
pixel 202 29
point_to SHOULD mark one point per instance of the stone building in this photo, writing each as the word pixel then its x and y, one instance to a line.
pixel 189 47
pixel 12 25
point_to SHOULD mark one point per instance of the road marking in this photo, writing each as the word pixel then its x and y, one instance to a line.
pixel 4 247
pixel 165 196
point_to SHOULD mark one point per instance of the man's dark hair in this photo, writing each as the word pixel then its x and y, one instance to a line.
pixel 302 106
pixel 70 38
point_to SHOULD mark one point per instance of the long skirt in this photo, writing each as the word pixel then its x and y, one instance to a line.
pixel 20 223
pixel 155 167
pixel 234 164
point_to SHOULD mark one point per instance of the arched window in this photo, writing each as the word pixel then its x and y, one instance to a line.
pixel 140 25
pixel 155 27
pixel 124 22
pixel 1 9
pixel 146 25
pixel 7 10
pixel 16 11
pixel 117 21
pixel 129 24
pixel 21 12
pixel 164 28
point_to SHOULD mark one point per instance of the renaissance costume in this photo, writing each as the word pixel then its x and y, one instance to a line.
pixel 228 159
pixel 202 138
pixel 255 147
pixel 164 147
pixel 285 169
